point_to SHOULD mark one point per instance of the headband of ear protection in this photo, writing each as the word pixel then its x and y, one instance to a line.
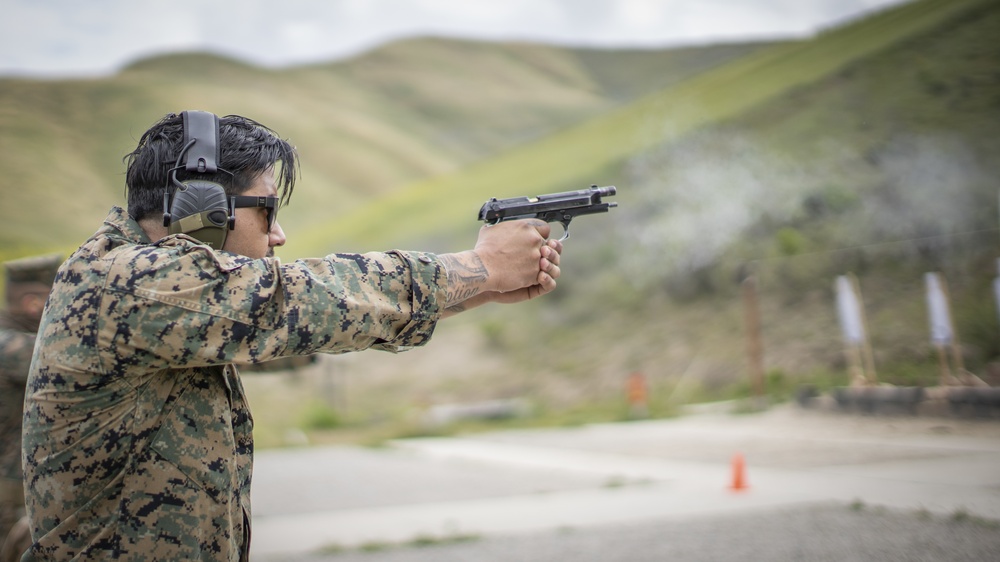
pixel 198 207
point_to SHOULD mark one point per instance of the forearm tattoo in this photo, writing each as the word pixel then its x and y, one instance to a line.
pixel 466 274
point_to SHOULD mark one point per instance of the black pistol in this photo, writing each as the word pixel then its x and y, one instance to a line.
pixel 553 207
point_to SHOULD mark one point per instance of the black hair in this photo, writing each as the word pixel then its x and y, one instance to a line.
pixel 246 149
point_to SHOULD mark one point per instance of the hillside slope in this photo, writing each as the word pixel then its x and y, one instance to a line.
pixel 586 153
pixel 883 167
pixel 365 126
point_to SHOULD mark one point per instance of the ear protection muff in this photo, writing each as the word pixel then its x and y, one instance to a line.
pixel 197 207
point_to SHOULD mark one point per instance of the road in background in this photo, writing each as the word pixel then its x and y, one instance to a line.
pixel 807 479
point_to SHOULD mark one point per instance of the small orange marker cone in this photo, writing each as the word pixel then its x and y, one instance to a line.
pixel 739 474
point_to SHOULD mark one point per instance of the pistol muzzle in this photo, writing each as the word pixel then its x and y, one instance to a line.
pixel 604 191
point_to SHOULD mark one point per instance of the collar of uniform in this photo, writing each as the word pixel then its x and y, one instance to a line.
pixel 119 220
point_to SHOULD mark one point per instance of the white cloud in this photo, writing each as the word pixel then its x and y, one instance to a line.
pixel 68 37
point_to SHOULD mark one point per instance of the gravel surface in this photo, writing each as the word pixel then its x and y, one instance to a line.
pixel 816 533
pixel 822 486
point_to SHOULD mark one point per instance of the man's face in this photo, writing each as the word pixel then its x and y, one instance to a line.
pixel 29 302
pixel 250 237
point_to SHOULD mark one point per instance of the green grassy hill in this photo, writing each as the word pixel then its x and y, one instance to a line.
pixel 365 126
pixel 870 150
pixel 885 168
pixel 593 151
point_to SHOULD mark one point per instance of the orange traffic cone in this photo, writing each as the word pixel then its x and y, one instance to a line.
pixel 739 474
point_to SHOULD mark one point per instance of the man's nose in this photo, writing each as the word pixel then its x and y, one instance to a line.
pixel 276 237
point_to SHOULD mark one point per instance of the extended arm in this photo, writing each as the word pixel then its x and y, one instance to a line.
pixel 512 262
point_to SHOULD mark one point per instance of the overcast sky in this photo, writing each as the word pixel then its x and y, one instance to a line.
pixel 93 37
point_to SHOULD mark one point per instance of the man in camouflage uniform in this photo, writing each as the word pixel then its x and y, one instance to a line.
pixel 28 282
pixel 137 435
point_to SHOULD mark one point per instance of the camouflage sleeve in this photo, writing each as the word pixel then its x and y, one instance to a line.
pixel 202 308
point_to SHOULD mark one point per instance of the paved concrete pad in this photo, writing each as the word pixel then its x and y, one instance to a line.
pixel 515 482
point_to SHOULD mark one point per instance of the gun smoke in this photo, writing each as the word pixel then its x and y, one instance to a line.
pixel 693 200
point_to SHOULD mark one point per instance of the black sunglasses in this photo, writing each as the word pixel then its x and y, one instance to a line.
pixel 269 203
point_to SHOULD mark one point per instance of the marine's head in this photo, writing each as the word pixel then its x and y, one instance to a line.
pixel 27 283
pixel 246 160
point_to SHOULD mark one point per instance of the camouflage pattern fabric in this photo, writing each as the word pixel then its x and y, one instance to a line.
pixel 16 346
pixel 137 434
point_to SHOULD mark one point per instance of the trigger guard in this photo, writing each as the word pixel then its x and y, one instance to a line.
pixel 565 226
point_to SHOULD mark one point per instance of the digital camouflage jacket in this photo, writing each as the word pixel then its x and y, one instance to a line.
pixel 137 434
pixel 16 345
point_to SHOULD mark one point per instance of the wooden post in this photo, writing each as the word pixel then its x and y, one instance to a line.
pixel 866 347
pixel 853 353
pixel 943 363
pixel 754 348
